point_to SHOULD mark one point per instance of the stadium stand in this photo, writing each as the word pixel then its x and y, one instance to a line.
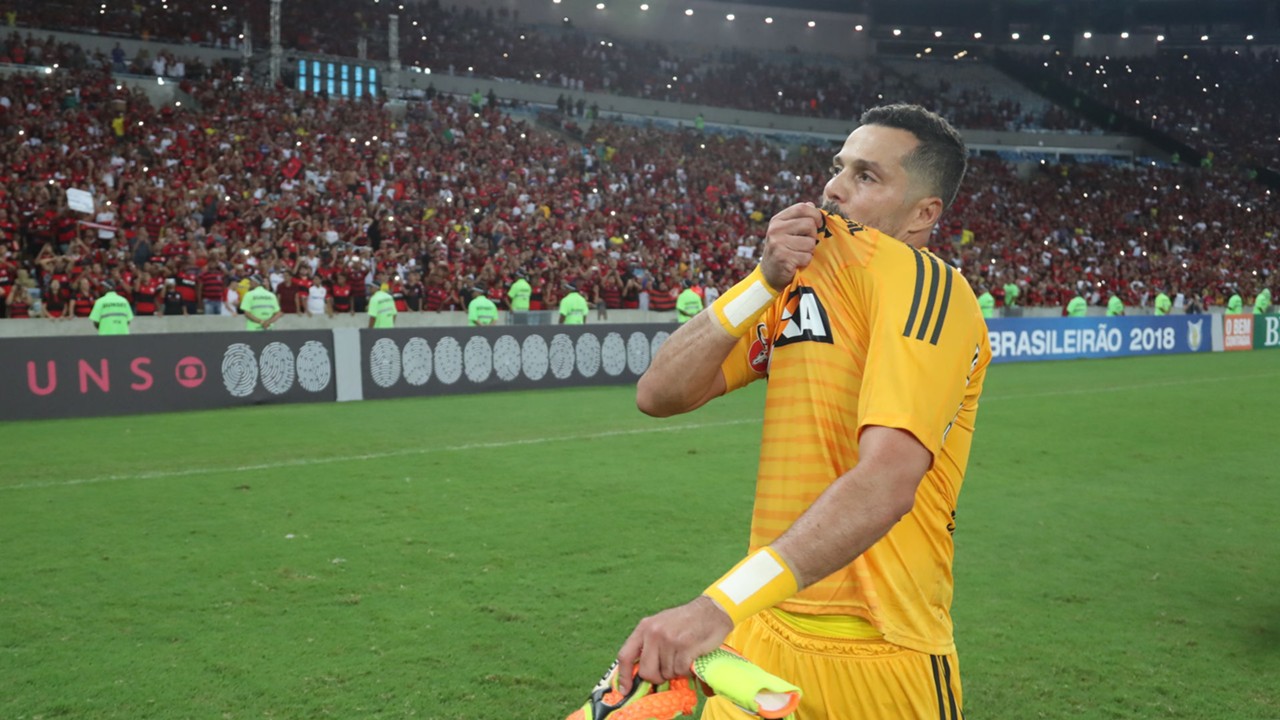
pixel 1193 96
pixel 977 95
pixel 463 41
pixel 254 180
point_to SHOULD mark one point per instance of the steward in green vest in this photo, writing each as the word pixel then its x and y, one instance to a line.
pixel 1263 303
pixel 481 310
pixel 573 307
pixel 688 304
pixel 111 314
pixel 520 292
pixel 1077 307
pixel 987 303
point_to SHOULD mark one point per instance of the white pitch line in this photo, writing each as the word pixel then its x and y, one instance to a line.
pixel 1124 388
pixel 308 462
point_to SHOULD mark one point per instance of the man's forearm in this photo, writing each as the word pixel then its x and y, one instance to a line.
pixel 686 371
pixel 847 519
pixel 858 509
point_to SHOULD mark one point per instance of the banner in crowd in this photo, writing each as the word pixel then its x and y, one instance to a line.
pixel 1025 339
pixel 447 361
pixel 120 375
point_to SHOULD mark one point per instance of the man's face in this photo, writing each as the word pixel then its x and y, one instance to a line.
pixel 869 184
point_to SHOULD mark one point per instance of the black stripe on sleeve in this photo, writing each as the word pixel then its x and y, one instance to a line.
pixel 951 696
pixel 942 311
pixel 933 298
pixel 937 686
pixel 915 300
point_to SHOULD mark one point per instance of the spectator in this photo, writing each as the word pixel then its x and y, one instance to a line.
pixel 147 294
pixel 18 304
pixel 172 302
pixel 55 301
pixel 342 296
pixel 317 301
pixel 231 305
pixel 82 300
pixel 212 287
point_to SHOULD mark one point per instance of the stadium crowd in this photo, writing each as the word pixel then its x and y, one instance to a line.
pixel 1131 232
pixel 463 41
pixel 302 190
pixel 1194 96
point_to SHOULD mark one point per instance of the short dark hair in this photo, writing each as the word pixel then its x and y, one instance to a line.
pixel 940 158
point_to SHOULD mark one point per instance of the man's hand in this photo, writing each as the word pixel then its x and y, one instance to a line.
pixel 789 243
pixel 665 645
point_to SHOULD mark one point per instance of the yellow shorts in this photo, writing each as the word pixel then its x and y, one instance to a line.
pixel 847 679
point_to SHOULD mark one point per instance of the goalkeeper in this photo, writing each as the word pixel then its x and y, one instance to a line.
pixel 875 352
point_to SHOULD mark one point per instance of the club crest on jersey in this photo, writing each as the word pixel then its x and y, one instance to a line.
pixel 758 353
pixel 804 319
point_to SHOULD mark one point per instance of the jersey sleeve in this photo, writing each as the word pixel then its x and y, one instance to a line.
pixel 749 359
pixel 925 335
pixel 95 314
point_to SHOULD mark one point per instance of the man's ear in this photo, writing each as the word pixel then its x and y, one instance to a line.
pixel 925 215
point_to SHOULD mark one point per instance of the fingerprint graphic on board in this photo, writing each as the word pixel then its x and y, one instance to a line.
pixel 448 360
pixel 658 338
pixel 275 368
pixel 561 356
pixel 613 354
pixel 478 359
pixel 384 363
pixel 588 354
pixel 506 358
pixel 534 357
pixel 637 353
pixel 239 370
pixel 417 362
pixel 314 368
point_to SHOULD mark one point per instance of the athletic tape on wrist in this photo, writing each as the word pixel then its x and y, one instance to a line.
pixel 740 305
pixel 759 582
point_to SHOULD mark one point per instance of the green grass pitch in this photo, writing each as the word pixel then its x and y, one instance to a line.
pixel 482 557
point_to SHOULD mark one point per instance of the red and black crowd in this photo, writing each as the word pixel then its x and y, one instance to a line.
pixel 304 191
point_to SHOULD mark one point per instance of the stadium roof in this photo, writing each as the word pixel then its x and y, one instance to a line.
pixel 970 12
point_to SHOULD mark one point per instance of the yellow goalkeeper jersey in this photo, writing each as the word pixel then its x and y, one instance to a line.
pixel 872 332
